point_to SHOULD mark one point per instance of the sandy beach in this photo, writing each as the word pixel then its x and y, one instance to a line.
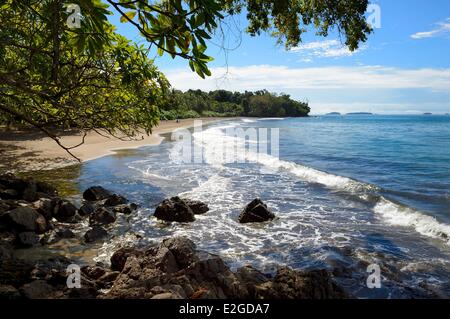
pixel 33 150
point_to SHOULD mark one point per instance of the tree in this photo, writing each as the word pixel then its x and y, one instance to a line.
pixel 53 76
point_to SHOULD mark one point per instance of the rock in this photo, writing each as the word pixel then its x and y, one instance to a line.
pixel 119 258
pixel 167 295
pixel 174 210
pixel 251 277
pixel 93 272
pixel 255 212
pixel 9 194
pixel 9 181
pixel 197 206
pixel 56 235
pixel 293 284
pixel 27 239
pixel 26 219
pixel 115 200
pixel 65 233
pixel 65 212
pixel 125 209
pixel 45 207
pixel 8 292
pixel 182 249
pixel 45 188
pixel 86 209
pixel 107 279
pixel 30 193
pixel 102 216
pixel 38 289
pixel 96 193
pixel 95 234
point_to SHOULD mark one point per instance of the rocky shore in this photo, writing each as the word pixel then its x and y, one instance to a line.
pixel 32 214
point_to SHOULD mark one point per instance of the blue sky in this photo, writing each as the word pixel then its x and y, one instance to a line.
pixel 403 68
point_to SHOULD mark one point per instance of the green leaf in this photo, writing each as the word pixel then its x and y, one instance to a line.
pixel 130 15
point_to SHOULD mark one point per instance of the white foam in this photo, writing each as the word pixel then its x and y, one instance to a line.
pixel 248 121
pixel 398 215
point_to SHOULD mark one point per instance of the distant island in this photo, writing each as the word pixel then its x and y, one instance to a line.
pixel 360 113
pixel 333 114
pixel 427 113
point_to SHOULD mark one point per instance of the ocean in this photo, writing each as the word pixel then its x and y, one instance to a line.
pixel 348 191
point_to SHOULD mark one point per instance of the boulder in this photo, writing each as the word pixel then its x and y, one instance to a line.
pixel 125 209
pixel 182 249
pixel 65 212
pixel 8 292
pixel 294 284
pixel 115 200
pixel 102 216
pixel 94 234
pixel 24 218
pixel 86 209
pixel 45 207
pixel 65 233
pixel 38 289
pixel 119 258
pixel 174 210
pixel 197 207
pixel 96 193
pixel 27 239
pixel 9 194
pixel 255 212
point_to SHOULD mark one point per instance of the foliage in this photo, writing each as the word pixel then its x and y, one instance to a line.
pixel 219 103
pixel 53 76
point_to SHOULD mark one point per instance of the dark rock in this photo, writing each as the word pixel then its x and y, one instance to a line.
pixel 125 209
pixel 95 234
pixel 174 210
pixel 255 212
pixel 293 284
pixel 65 212
pixel 9 194
pixel 30 193
pixel 25 219
pixel 38 289
pixel 8 292
pixel 115 200
pixel 197 206
pixel 65 233
pixel 46 188
pixel 102 216
pixel 107 278
pixel 96 193
pixel 119 258
pixel 183 250
pixel 93 272
pixel 45 207
pixel 12 182
pixel 27 239
pixel 86 209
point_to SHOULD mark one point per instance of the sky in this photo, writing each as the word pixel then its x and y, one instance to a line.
pixel 403 68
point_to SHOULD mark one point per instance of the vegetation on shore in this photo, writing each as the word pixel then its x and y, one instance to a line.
pixel 219 103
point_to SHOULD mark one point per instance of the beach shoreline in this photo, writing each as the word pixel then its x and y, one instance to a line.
pixel 31 150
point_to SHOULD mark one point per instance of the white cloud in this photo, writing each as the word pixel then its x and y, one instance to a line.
pixel 323 49
pixel 280 78
pixel 441 29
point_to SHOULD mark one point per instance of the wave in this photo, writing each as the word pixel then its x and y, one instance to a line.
pixel 399 215
pixel 248 121
pixel 391 212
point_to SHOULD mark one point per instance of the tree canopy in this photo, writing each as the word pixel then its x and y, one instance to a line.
pixel 54 76
pixel 219 103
